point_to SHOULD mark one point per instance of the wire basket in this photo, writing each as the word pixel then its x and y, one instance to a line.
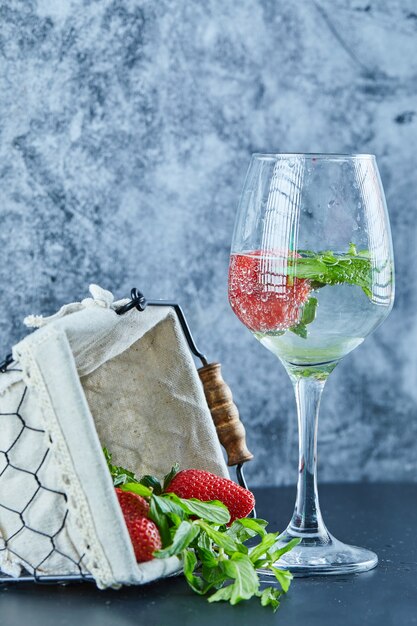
pixel 28 488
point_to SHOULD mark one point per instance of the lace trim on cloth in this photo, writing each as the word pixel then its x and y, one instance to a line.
pixel 95 558
pixel 101 297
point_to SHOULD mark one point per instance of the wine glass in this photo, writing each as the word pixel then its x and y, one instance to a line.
pixel 311 275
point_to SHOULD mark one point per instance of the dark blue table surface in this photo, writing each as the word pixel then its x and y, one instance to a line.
pixel 382 517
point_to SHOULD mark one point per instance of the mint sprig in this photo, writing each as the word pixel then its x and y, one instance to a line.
pixel 218 559
pixel 330 268
pixel 327 268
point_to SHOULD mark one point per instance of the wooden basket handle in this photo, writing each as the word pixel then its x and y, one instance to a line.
pixel 225 414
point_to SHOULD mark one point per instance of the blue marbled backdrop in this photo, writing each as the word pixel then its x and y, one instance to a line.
pixel 125 132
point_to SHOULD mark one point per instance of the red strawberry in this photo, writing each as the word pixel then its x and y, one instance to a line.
pixel 144 536
pixel 205 486
pixel 261 293
pixel 131 504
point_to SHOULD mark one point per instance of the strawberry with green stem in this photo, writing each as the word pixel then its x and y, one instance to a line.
pixel 205 486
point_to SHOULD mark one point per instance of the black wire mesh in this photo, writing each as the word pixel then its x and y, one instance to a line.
pixel 17 508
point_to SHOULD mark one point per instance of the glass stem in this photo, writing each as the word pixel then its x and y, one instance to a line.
pixel 307 520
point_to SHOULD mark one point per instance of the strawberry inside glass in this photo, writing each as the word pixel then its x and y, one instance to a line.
pixel 263 292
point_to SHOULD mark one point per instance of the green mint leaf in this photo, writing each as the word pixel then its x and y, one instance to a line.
pixel 207 557
pixel 197 583
pixel 185 534
pixel 242 548
pixel 176 519
pixel 310 268
pixel 190 563
pixel 249 522
pixel 161 521
pixel 263 546
pixel 246 528
pixel 167 505
pixel 107 455
pixel 246 582
pixel 284 577
pixel 213 511
pixel 300 330
pixel 204 542
pixel 277 554
pixel 307 317
pixel 270 597
pixel 224 593
pixel 151 482
pixel 328 258
pixel 220 539
pixel 122 479
pixel 171 474
pixel 262 563
pixel 213 575
pixel 309 311
pixel 137 488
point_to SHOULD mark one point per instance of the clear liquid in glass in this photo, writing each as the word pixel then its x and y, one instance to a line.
pixel 270 301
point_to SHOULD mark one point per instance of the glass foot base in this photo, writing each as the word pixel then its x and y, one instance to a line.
pixel 317 556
